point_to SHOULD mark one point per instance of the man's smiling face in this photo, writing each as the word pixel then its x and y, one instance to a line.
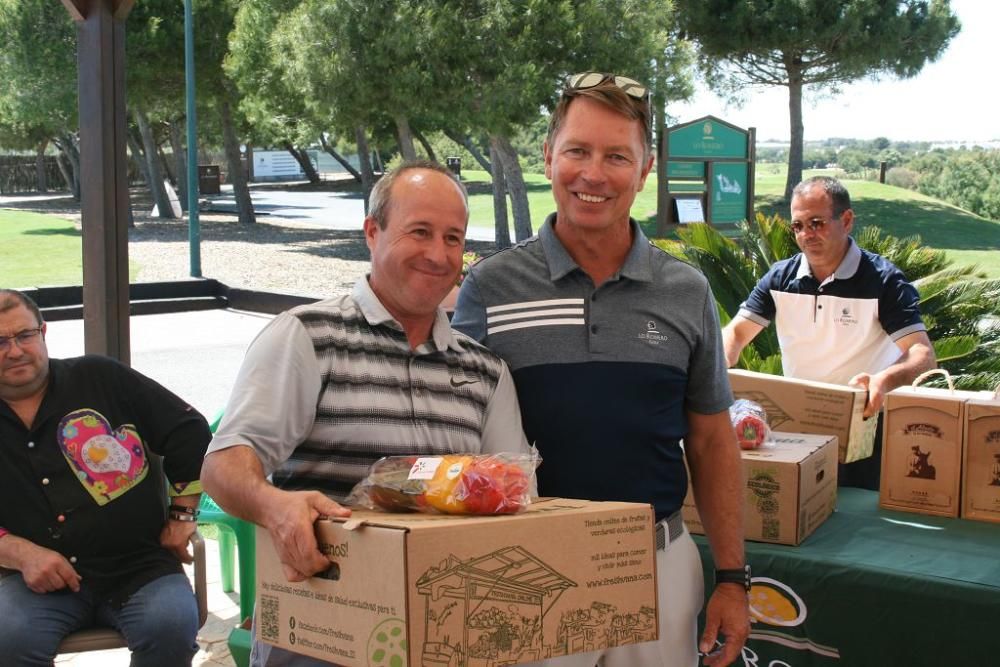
pixel 597 164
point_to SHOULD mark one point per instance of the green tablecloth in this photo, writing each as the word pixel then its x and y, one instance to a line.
pixel 875 587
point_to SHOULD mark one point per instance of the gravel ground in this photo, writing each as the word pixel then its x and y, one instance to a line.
pixel 271 255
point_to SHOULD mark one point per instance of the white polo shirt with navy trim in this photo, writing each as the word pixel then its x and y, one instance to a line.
pixel 606 374
pixel 848 324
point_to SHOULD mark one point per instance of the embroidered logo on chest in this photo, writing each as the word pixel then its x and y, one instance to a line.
pixel 652 335
pixel 107 462
pixel 846 318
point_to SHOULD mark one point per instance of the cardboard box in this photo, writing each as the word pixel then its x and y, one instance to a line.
pixel 566 576
pixel 791 488
pixel 802 406
pixel 981 463
pixel 922 450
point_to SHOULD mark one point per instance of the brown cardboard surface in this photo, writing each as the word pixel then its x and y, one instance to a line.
pixel 922 450
pixel 790 488
pixel 981 463
pixel 564 577
pixel 803 406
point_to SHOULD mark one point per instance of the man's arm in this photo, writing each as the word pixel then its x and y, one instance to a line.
pixel 43 570
pixel 737 335
pixel 713 458
pixel 918 356
pixel 234 477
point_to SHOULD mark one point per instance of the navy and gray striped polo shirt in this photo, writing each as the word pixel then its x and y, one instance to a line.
pixel 848 324
pixel 604 375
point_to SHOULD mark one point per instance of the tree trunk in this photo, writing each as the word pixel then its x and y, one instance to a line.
pixel 65 170
pixel 166 169
pixel 500 223
pixel 71 155
pixel 405 137
pixel 164 209
pixel 135 150
pixel 427 147
pixel 505 153
pixel 466 142
pixel 339 158
pixel 797 132
pixel 41 178
pixel 367 175
pixel 241 191
pixel 180 163
pixel 305 163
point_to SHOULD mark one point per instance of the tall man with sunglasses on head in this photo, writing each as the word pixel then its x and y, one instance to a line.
pixel 85 539
pixel 843 315
pixel 616 355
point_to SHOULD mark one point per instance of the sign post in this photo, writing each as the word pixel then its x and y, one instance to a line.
pixel 712 162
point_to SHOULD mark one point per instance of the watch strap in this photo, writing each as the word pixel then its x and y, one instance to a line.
pixel 739 576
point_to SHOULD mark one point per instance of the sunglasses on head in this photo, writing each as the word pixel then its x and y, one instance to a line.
pixel 585 80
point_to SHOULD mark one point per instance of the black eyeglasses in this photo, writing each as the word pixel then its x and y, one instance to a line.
pixel 585 80
pixel 815 225
pixel 22 338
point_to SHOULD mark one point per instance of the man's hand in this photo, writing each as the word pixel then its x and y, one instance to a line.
pixel 876 392
pixel 175 536
pixel 45 571
pixel 728 614
pixel 290 523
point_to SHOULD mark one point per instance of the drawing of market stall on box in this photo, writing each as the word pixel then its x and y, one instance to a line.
pixel 490 611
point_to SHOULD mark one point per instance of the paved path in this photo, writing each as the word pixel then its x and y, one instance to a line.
pixel 194 354
pixel 333 210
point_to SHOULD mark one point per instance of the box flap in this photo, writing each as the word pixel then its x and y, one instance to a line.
pixel 794 381
pixel 421 521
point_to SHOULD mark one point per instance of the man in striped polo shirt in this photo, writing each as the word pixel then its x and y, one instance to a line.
pixel 328 389
pixel 843 315
pixel 616 352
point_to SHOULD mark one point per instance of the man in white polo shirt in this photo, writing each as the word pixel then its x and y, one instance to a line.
pixel 844 315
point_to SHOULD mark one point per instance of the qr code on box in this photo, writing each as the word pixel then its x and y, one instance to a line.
pixel 268 618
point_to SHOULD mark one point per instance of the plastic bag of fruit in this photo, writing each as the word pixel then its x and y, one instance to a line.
pixel 750 422
pixel 449 484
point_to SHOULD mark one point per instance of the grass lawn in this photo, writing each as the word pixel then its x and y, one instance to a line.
pixel 38 250
pixel 966 237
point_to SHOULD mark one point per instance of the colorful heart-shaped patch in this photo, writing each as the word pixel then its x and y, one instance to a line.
pixel 108 462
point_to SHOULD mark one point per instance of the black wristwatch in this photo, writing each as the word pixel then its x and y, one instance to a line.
pixel 740 576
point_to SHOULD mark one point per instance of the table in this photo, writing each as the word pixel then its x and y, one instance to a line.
pixel 876 587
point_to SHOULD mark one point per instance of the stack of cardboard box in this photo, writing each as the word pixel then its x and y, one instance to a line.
pixel 941 451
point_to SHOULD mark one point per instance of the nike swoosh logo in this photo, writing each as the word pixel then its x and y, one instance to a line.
pixel 462 383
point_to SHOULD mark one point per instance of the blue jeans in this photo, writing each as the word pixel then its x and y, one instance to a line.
pixel 159 621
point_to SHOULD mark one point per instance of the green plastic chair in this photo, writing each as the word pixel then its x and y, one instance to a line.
pixel 230 529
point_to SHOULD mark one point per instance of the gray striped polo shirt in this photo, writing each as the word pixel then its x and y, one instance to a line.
pixel 329 388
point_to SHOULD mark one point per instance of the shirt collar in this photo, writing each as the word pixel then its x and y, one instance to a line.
pixel 377 315
pixel 847 267
pixel 636 265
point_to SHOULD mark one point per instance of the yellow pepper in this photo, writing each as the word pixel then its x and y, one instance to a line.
pixel 440 493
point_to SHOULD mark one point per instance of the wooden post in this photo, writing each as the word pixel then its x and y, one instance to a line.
pixel 882 167
pixel 103 176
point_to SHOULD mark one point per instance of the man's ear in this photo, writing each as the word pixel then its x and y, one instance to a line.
pixel 547 156
pixel 371 230
pixel 847 217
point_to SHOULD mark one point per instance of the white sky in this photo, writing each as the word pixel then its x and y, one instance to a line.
pixel 956 98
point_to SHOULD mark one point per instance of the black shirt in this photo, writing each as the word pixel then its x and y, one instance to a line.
pixel 80 481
